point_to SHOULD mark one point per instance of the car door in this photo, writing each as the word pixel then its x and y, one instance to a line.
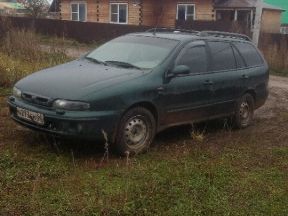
pixel 253 76
pixel 224 77
pixel 186 98
pixel 242 73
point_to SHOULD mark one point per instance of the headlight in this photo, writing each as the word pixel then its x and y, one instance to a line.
pixel 71 105
pixel 16 92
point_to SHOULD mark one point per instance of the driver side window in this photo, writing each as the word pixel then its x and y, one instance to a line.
pixel 195 58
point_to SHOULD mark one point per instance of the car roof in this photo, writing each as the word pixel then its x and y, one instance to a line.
pixel 188 36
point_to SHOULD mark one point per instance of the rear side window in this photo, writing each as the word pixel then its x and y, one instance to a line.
pixel 239 59
pixel 195 58
pixel 222 56
pixel 250 54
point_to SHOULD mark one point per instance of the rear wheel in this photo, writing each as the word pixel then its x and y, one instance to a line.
pixel 136 131
pixel 244 112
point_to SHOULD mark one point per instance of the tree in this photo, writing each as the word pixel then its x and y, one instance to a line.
pixel 35 8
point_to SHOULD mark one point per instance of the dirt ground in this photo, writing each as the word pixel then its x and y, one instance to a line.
pixel 278 98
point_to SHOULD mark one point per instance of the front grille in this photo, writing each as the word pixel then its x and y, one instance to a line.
pixel 36 99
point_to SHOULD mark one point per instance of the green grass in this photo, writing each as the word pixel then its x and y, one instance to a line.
pixel 228 173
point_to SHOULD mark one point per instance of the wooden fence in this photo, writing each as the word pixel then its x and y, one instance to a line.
pixel 80 31
pixel 91 31
pixel 275 49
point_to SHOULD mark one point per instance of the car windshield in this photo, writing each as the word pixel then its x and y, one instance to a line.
pixel 133 52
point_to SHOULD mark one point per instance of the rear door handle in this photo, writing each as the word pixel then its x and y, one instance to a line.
pixel 208 82
pixel 244 76
pixel 160 90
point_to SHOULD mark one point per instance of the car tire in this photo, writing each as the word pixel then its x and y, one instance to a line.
pixel 136 132
pixel 244 112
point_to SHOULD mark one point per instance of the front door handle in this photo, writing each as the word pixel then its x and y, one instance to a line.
pixel 208 82
pixel 245 76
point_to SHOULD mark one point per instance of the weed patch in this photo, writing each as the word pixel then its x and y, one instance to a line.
pixel 21 54
pixel 226 173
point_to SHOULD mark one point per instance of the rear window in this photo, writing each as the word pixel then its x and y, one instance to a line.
pixel 250 54
pixel 222 56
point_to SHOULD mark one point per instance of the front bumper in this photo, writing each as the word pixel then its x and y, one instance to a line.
pixel 80 124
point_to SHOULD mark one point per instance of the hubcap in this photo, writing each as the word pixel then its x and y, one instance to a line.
pixel 135 132
pixel 244 112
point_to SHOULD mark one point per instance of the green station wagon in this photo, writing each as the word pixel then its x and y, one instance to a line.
pixel 139 84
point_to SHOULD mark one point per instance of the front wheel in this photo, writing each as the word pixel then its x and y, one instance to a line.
pixel 244 112
pixel 136 131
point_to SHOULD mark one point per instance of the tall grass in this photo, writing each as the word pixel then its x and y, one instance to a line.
pixel 21 53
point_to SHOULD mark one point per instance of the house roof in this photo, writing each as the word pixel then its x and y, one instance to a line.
pixel 283 4
pixel 243 4
pixel 55 6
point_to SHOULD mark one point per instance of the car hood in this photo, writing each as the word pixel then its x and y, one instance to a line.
pixel 76 79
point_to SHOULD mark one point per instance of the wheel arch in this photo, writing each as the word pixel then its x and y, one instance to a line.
pixel 147 105
pixel 252 92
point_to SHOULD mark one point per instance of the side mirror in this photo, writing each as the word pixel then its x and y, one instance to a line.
pixel 179 70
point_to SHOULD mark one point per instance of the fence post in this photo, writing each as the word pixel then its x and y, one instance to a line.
pixel 257 22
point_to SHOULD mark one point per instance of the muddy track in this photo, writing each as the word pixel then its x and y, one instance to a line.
pixel 277 100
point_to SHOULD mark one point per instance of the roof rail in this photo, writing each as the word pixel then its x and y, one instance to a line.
pixel 202 33
pixel 224 35
pixel 172 30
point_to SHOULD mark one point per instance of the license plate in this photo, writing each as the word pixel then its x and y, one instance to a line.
pixel 34 117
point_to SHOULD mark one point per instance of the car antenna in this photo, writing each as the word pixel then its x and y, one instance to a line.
pixel 158 20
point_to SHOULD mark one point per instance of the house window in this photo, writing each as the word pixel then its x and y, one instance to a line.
pixel 119 13
pixel 78 12
pixel 284 30
pixel 185 12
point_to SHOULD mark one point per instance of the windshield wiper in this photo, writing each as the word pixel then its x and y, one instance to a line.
pixel 123 64
pixel 95 60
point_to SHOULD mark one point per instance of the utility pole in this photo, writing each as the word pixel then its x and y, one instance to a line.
pixel 257 21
